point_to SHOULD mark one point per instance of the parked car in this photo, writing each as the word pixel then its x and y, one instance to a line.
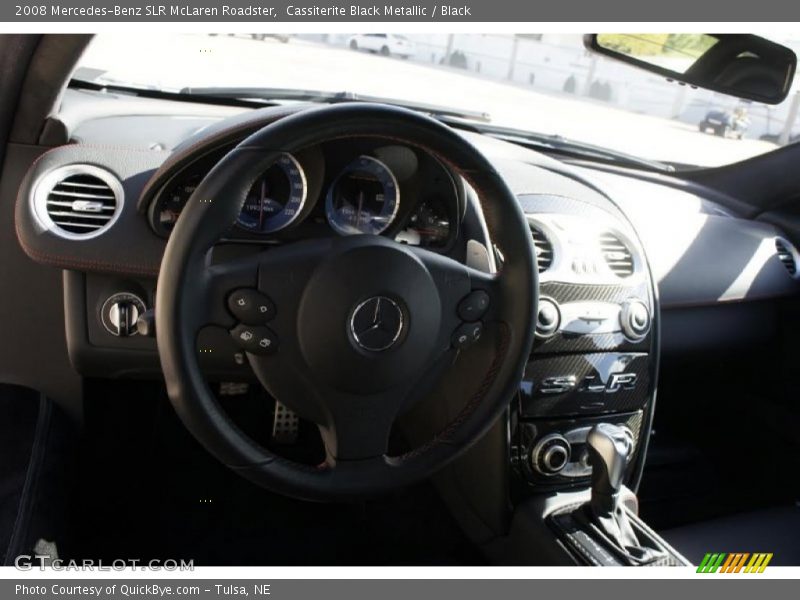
pixel 281 37
pixel 386 44
pixel 725 123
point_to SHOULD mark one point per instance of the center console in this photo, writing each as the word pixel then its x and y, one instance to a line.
pixel 598 526
pixel 590 383
pixel 595 356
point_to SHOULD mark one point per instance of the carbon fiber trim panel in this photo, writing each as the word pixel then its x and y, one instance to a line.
pixel 564 286
pixel 526 434
pixel 568 292
pixel 576 384
pixel 563 293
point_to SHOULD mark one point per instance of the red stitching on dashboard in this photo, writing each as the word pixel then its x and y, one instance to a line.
pixel 58 260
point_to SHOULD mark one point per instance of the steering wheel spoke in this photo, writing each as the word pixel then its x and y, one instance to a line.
pixel 253 295
pixel 470 299
pixel 359 426
pixel 213 297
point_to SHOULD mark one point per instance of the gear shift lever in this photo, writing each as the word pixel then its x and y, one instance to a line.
pixel 618 533
pixel 609 449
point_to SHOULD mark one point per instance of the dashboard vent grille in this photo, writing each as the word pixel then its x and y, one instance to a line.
pixel 616 254
pixel 544 249
pixel 786 256
pixel 81 202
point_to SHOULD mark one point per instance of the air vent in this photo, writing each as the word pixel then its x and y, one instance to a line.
pixel 544 249
pixel 78 201
pixel 786 254
pixel 616 254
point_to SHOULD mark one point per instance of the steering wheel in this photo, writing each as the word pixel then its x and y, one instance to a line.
pixel 362 326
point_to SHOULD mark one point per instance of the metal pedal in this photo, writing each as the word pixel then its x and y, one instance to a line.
pixel 285 425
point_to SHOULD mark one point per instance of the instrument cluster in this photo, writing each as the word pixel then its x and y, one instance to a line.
pixel 346 187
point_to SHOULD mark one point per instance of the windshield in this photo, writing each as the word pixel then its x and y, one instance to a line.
pixel 546 84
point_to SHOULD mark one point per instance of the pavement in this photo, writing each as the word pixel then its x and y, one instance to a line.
pixel 176 61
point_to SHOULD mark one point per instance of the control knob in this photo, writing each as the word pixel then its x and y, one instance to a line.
pixel 550 454
pixel 634 319
pixel 120 313
pixel 548 318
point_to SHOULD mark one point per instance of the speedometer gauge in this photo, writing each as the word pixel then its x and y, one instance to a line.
pixel 276 199
pixel 363 198
pixel 165 212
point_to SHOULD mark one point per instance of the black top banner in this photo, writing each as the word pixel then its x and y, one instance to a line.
pixel 320 11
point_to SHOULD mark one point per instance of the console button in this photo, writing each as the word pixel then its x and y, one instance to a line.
pixel 555 458
pixel 548 319
pixel 467 334
pixel 250 306
pixel 551 454
pixel 634 319
pixel 255 340
pixel 473 306
pixel 590 317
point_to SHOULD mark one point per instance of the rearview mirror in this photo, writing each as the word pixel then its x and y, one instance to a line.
pixel 741 65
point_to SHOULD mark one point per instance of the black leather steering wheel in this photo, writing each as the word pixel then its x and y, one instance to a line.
pixel 328 292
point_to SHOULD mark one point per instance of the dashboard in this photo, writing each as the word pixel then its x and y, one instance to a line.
pixel 105 211
pixel 630 265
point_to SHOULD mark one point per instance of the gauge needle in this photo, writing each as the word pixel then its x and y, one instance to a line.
pixel 261 203
pixel 360 206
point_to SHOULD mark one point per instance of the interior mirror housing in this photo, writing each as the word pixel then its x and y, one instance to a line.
pixel 742 65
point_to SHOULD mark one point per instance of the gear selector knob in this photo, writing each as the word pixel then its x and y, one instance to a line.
pixel 609 448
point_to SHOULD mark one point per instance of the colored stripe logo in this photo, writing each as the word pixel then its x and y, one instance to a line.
pixel 736 562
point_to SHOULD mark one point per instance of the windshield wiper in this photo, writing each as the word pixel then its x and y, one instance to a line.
pixel 565 146
pixel 283 94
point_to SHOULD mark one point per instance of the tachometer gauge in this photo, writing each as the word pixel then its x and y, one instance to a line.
pixel 276 199
pixel 166 211
pixel 363 198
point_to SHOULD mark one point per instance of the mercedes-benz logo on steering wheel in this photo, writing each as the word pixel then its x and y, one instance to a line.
pixel 376 323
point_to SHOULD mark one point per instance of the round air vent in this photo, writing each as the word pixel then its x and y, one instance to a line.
pixel 787 255
pixel 77 201
pixel 544 249
pixel 617 255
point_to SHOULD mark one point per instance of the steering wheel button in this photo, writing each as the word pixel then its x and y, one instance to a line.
pixel 250 307
pixel 255 340
pixel 466 335
pixel 473 306
pixel 476 331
